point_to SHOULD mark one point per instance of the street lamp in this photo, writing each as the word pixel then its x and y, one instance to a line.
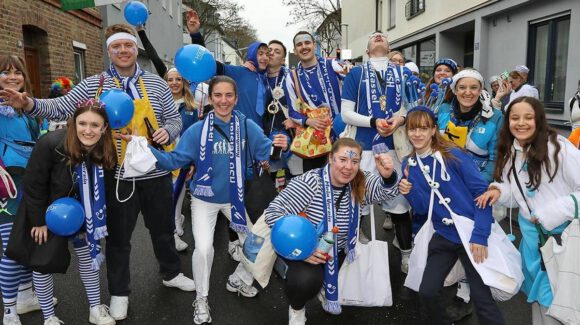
pixel 346 25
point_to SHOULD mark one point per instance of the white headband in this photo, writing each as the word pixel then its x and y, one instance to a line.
pixel 122 35
pixel 467 73
pixel 303 38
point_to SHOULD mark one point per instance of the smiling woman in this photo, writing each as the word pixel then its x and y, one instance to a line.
pixel 60 165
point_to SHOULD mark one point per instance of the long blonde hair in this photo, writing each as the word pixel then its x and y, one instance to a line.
pixel 186 94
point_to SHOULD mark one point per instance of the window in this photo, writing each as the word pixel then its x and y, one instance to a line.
pixel 392 13
pixel 413 8
pixel 548 59
pixel 79 53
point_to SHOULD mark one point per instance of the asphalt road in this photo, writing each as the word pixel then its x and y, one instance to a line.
pixel 152 303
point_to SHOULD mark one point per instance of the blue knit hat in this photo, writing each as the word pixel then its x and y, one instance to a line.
pixel 448 62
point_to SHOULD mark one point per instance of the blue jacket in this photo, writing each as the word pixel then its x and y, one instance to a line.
pixel 481 137
pixel 19 128
pixel 465 184
pixel 188 118
pixel 248 85
pixel 187 152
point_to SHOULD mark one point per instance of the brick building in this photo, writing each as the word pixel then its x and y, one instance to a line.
pixel 54 43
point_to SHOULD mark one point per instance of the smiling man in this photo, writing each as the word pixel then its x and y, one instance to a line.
pixel 313 96
pixel 149 194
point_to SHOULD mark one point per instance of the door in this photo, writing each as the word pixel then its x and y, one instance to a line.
pixel 33 66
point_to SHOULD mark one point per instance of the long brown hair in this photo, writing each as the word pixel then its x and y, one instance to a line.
pixel 104 151
pixel 359 181
pixel 536 149
pixel 448 92
pixel 417 119
pixel 188 98
pixel 8 62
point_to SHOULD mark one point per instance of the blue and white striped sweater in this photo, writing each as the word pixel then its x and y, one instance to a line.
pixel 304 194
pixel 158 92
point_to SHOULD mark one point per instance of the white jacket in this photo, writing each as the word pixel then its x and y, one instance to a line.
pixel 551 204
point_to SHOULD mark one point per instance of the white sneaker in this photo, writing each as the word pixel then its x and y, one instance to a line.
pixel 405 254
pixel 180 282
pixel 234 249
pixel 201 311
pixel 11 320
pixel 118 307
pixel 53 320
pixel 180 245
pixel 179 225
pixel 296 317
pixel 30 304
pixel 99 315
pixel 235 284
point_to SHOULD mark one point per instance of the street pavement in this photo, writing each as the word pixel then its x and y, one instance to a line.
pixel 152 303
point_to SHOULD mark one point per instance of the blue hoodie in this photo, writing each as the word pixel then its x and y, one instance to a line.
pixel 187 152
pixel 248 83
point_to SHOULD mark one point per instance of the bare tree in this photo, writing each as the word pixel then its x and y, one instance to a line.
pixel 221 16
pixel 322 16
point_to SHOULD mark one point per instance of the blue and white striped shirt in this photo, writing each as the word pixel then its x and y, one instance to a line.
pixel 304 194
pixel 158 92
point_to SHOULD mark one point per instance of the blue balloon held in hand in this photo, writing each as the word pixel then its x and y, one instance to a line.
pixel 136 13
pixel 294 238
pixel 119 107
pixel 65 216
pixel 195 63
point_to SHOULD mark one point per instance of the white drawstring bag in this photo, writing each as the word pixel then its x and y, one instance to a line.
pixel 563 268
pixel 262 261
pixel 139 160
pixel 366 282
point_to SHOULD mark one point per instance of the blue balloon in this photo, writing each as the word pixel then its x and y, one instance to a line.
pixel 338 125
pixel 65 216
pixel 136 13
pixel 294 237
pixel 119 107
pixel 195 63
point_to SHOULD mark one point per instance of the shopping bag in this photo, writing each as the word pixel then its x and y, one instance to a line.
pixel 366 282
pixel 309 142
pixel 258 253
pixel 418 258
pixel 563 268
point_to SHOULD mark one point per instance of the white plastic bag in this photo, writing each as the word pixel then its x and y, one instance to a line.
pixel 366 282
pixel 139 160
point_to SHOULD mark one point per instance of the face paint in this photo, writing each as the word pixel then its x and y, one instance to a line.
pixel 303 38
pixel 351 154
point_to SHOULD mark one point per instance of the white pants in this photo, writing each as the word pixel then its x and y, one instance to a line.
pixel 204 218
pixel 396 205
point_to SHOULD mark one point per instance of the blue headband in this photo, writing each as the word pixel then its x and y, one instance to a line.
pixel 422 109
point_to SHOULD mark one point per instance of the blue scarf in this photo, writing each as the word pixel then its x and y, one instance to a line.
pixel 375 90
pixel 129 84
pixel 322 92
pixel 331 303
pixel 93 201
pixel 260 105
pixel 205 178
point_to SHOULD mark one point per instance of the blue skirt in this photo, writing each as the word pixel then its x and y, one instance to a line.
pixel 536 284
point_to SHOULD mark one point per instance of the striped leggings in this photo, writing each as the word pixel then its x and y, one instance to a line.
pixel 13 276
pixel 44 283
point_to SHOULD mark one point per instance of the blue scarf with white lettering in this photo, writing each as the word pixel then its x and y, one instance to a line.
pixel 205 173
pixel 331 303
pixel 92 192
pixel 323 90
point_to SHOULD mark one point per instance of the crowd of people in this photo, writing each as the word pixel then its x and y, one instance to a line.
pixel 456 150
